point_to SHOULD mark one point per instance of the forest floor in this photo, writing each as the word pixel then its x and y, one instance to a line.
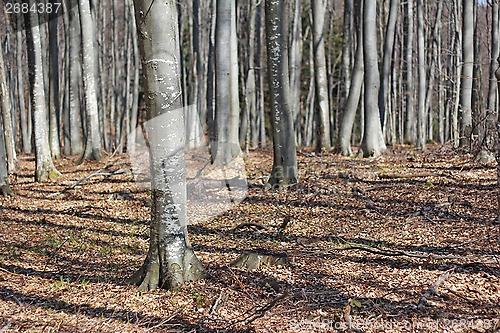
pixel 403 243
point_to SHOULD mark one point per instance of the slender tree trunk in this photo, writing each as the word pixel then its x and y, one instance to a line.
pixel 7 117
pixel 74 84
pixel 171 260
pixel 322 102
pixel 285 156
pixel 349 112
pixel 55 146
pixel 492 92
pixel 373 140
pixel 410 124
pixel 5 189
pixel 467 73
pixel 227 102
pixel 295 68
pixel 422 80
pixel 390 34
pixel 93 142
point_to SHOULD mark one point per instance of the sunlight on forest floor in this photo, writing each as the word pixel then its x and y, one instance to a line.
pixel 406 241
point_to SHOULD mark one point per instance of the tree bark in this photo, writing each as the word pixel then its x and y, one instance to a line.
pixel 422 80
pixel 322 101
pixel 44 166
pixel 6 117
pixel 284 170
pixel 92 149
pixel 349 112
pixel 227 99
pixel 373 140
pixel 171 260
pixel 467 73
pixel 410 123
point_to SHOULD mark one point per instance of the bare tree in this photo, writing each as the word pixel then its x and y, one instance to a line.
pixel 170 260
pixel 6 117
pixel 373 140
pixel 467 72
pixel 5 189
pixel 320 74
pixel 93 143
pixel 284 170
pixel 422 81
pixel 44 166
pixel 410 132
pixel 352 103
pixel 227 99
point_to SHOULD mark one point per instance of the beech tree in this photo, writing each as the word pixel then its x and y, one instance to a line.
pixel 5 107
pixel 92 149
pixel 373 140
pixel 467 72
pixel 320 74
pixel 5 189
pixel 227 99
pixel 170 260
pixel 44 166
pixel 284 170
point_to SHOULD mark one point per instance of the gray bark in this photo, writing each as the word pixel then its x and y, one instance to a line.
pixel 7 117
pixel 170 260
pixel 352 103
pixel 322 101
pixel 92 149
pixel 410 123
pixel 295 68
pixel 284 170
pixel 74 41
pixel 55 147
pixel 373 140
pixel 5 189
pixel 492 92
pixel 467 73
pixel 390 34
pixel 227 99
pixel 44 166
pixel 422 80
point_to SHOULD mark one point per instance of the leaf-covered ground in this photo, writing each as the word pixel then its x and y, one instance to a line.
pixel 402 243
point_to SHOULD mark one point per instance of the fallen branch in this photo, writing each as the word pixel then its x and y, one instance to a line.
pixel 433 290
pixel 257 226
pixel 260 312
pixel 100 172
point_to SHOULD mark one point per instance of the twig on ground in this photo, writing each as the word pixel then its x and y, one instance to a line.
pixel 257 226
pixel 433 290
pixel 100 172
pixel 470 301
pixel 260 312
pixel 217 304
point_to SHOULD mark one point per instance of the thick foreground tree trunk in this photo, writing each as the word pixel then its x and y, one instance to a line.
pixel 285 155
pixel 44 166
pixel 170 260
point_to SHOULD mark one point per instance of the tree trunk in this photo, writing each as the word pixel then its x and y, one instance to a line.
pixel 410 132
pixel 295 68
pixel 373 140
pixel 322 102
pixel 5 189
pixel 467 73
pixel 6 117
pixel 74 41
pixel 227 99
pixel 93 142
pixel 422 81
pixel 390 34
pixel 349 112
pixel 492 92
pixel 55 147
pixel 170 260
pixel 284 170
pixel 44 166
